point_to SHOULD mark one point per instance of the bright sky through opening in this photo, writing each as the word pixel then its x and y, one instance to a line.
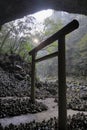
pixel 41 15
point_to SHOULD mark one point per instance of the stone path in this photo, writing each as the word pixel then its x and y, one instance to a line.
pixel 51 112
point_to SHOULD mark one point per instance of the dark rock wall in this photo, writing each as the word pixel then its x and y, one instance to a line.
pixel 13 9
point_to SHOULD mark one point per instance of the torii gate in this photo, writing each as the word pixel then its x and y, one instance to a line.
pixel 60 36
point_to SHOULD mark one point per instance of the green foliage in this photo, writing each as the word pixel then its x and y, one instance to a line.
pixel 18 37
pixel 15 37
pixel 52 48
pixel 76 46
pixel 51 26
pixel 77 58
pixel 82 45
pixel 82 48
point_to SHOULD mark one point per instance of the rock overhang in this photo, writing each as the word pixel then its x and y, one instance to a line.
pixel 14 9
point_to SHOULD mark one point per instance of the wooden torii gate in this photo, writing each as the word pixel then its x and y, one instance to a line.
pixel 60 36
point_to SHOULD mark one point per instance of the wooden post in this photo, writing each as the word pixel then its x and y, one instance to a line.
pixel 62 84
pixel 33 78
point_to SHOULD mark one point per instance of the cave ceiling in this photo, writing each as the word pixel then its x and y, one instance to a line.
pixel 14 9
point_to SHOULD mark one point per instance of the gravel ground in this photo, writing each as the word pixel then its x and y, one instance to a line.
pixel 46 115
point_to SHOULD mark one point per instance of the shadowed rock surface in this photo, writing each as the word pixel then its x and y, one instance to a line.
pixel 14 9
pixel 14 76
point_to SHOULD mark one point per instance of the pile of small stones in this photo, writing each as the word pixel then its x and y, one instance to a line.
pixel 15 79
pixel 17 106
pixel 14 76
pixel 76 122
pixel 76 97
pixel 44 125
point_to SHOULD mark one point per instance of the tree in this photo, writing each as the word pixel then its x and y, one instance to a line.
pixel 50 27
pixel 15 37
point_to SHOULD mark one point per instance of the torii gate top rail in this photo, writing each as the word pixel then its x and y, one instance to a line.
pixel 64 31
pixel 60 36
